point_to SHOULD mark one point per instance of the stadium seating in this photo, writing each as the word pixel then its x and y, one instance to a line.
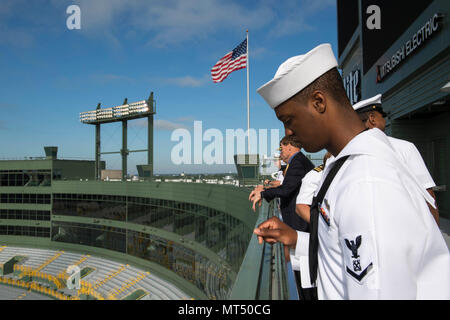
pixel 107 280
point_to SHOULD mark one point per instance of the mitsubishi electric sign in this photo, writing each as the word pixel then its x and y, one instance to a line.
pixel 418 39
pixel 352 86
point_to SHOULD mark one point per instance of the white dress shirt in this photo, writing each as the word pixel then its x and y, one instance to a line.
pixel 377 239
pixel 280 176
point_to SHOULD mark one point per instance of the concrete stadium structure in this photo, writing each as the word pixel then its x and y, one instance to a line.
pixel 194 237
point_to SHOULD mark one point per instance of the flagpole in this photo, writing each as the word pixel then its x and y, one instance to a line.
pixel 248 104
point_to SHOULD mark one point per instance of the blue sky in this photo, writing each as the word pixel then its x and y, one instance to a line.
pixel 49 74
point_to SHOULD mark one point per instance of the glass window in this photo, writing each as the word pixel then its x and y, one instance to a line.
pixel 217 230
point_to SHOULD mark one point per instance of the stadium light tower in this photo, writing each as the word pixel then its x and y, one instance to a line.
pixel 123 113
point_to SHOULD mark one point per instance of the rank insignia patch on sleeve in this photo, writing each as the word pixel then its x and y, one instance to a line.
pixel 358 257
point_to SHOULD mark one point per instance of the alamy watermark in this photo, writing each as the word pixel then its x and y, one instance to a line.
pixel 74 19
pixel 213 147
pixel 74 280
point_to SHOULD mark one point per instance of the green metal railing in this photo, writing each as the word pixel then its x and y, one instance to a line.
pixel 264 274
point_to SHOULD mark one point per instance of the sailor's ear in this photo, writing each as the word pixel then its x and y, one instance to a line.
pixel 372 119
pixel 319 101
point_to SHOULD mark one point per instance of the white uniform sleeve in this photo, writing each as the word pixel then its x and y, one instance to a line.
pixel 418 167
pixel 300 260
pixel 309 186
pixel 388 244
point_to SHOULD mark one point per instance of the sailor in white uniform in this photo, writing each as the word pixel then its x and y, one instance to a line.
pixel 376 238
pixel 371 113
pixel 310 185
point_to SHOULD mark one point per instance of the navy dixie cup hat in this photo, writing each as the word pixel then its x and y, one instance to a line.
pixel 371 104
pixel 296 73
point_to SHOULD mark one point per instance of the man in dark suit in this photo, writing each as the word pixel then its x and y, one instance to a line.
pixel 297 166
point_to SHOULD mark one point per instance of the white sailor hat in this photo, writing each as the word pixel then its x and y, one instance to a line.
pixel 296 73
pixel 371 104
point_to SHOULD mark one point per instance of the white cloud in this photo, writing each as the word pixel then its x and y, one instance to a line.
pixel 161 22
pixel 172 22
pixel 187 81
pixel 167 125
pixel 177 21
pixel 168 22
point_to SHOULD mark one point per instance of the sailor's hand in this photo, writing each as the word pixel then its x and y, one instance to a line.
pixel 274 230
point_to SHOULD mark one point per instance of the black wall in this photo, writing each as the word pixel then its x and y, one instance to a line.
pixel 347 20
pixel 396 17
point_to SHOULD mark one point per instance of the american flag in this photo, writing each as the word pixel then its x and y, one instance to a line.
pixel 233 60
